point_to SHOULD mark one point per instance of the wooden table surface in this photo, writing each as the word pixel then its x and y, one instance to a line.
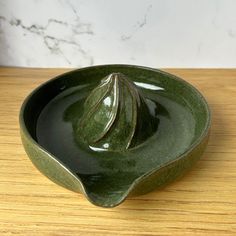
pixel 203 202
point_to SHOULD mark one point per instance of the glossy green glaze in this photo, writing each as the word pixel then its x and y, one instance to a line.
pixel 116 116
pixel 129 149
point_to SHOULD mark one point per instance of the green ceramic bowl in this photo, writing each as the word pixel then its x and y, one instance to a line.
pixel 49 121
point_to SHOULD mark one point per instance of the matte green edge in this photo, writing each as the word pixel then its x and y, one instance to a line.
pixel 56 171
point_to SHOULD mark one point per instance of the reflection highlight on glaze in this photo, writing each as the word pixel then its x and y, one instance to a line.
pixel 148 86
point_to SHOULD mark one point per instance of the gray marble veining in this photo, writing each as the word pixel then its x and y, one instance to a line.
pixel 75 33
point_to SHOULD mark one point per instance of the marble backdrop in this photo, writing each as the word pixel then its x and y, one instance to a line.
pixel 158 33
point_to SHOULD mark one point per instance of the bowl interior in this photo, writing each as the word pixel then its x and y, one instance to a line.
pixel 52 110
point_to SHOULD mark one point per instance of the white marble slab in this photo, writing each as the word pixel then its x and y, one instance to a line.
pixel 158 33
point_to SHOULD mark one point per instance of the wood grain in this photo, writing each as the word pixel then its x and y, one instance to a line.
pixel 203 202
